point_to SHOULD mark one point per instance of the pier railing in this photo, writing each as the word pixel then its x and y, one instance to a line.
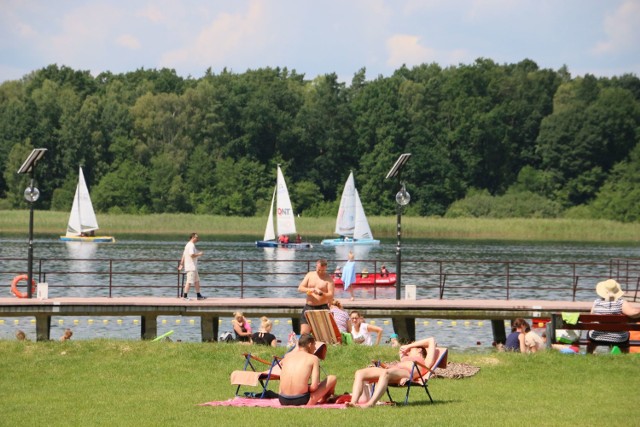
pixel 438 279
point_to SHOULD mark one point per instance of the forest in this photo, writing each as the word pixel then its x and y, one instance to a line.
pixel 487 140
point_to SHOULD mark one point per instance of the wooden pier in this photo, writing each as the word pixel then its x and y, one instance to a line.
pixel 402 312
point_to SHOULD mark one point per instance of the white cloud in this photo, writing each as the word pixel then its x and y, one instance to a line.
pixel 228 37
pixel 622 29
pixel 129 41
pixel 406 49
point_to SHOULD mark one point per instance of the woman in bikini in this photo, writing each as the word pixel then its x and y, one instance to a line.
pixel 423 351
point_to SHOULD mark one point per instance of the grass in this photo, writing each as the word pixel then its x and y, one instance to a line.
pixel 106 382
pixel 50 224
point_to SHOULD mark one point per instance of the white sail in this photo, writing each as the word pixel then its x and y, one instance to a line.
pixel 284 212
pixel 269 233
pixel 82 218
pixel 362 229
pixel 346 220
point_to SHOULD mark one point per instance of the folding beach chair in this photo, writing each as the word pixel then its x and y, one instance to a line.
pixel 252 377
pixel 418 379
pixel 323 326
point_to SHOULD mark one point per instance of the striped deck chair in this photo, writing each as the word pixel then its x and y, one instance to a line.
pixel 419 379
pixel 252 377
pixel 323 326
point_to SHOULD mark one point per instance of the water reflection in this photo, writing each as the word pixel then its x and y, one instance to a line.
pixel 80 260
pixel 280 272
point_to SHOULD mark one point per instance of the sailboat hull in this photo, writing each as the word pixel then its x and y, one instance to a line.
pixel 349 242
pixel 88 239
pixel 273 244
pixel 376 279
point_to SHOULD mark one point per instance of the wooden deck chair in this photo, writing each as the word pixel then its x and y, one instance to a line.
pixel 252 377
pixel 323 326
pixel 418 379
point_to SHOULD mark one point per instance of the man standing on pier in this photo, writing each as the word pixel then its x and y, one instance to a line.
pixel 319 287
pixel 189 261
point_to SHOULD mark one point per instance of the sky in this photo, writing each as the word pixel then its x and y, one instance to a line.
pixel 316 37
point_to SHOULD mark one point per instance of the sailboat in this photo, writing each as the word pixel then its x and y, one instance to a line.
pixel 351 224
pixel 285 221
pixel 82 220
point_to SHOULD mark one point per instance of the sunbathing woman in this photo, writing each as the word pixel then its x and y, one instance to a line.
pixel 423 351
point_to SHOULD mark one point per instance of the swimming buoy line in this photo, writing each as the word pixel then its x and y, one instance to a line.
pixel 14 286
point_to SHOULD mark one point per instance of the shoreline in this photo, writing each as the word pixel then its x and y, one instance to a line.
pixel 51 224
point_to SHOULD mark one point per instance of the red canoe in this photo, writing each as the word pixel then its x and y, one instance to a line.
pixel 369 280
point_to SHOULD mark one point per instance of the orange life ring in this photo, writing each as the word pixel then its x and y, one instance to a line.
pixel 14 286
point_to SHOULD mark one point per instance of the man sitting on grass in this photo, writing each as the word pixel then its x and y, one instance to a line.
pixel 300 377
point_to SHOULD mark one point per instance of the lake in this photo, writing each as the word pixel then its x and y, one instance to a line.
pixel 276 272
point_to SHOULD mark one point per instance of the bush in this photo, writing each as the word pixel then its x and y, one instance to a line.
pixel 523 204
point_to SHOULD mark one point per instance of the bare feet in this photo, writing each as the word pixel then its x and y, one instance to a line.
pixel 350 405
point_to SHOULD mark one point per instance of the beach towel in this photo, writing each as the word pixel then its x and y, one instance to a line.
pixel 349 274
pixel 570 318
pixel 266 403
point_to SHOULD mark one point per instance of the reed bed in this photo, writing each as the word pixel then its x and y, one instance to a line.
pixel 50 223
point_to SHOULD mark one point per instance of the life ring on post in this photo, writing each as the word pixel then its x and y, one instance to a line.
pixel 14 286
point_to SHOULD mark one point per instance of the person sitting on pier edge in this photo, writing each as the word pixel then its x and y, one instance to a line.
pixel 241 327
pixel 361 330
pixel 67 335
pixel 610 302
pixel 264 335
pixel 530 342
pixel 343 322
pixel 298 239
pixel 383 271
pixel 512 342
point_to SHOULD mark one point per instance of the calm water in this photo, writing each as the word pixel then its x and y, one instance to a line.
pixel 278 276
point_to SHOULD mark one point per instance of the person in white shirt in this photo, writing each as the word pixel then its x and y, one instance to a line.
pixel 189 261
pixel 361 331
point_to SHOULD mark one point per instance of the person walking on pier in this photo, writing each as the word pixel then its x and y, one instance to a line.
pixel 319 287
pixel 189 261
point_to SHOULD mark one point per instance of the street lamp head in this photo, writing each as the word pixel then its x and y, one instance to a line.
pixel 31 194
pixel 403 197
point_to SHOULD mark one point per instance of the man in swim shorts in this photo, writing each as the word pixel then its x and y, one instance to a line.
pixel 300 376
pixel 319 287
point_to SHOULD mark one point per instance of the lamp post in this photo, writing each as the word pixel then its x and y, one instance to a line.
pixel 402 199
pixel 31 195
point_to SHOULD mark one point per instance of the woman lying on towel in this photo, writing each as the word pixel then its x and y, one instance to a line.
pixel 423 351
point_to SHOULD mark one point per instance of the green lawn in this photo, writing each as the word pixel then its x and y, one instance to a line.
pixel 100 382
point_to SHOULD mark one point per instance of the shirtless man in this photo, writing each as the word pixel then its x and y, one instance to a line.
pixel 423 351
pixel 299 368
pixel 319 287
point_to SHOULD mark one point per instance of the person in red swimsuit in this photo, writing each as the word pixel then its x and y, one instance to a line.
pixel 423 351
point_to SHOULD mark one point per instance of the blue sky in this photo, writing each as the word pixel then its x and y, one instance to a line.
pixel 600 37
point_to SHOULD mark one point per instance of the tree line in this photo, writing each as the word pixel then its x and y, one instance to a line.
pixel 486 139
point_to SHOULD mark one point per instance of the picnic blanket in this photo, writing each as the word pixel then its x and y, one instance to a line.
pixel 266 403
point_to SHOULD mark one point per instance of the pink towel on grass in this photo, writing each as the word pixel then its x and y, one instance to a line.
pixel 266 403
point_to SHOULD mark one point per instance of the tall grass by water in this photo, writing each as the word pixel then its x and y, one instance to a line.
pixel 141 383
pixel 49 223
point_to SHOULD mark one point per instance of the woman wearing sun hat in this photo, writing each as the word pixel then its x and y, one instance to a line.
pixel 610 302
